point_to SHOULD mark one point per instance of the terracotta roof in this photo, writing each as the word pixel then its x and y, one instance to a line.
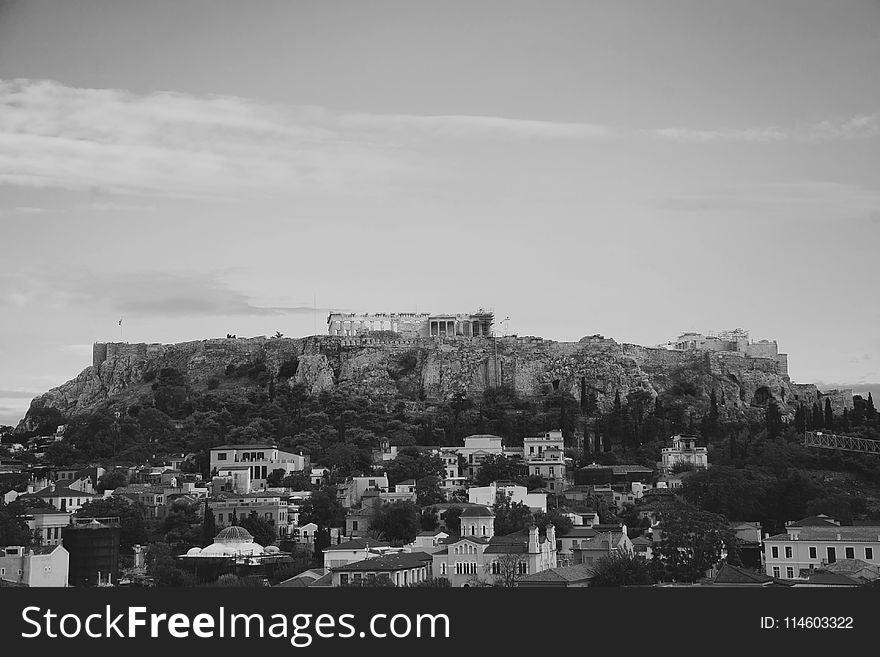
pixel 357 544
pixel 730 574
pixel 828 533
pixel 814 521
pixel 578 573
pixel 477 511
pixel 826 578
pixel 388 562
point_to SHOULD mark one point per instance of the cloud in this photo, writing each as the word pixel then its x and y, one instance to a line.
pixel 812 198
pixel 111 140
pixel 148 293
pixel 863 126
pixel 180 145
pixel 17 394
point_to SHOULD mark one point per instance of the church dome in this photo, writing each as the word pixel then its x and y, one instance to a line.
pixel 234 534
pixel 193 551
pixel 233 541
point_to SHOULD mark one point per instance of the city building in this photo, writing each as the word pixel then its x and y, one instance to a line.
pixel 476 449
pixel 60 497
pixel 46 565
pixel 259 460
pixel 412 325
pixel 499 490
pixel 545 457
pixel 47 524
pixel 401 569
pixel 683 453
pixel 269 506
pixel 802 549
pixel 480 557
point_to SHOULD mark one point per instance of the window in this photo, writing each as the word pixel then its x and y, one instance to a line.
pixel 775 571
pixel 788 552
pixel 2 571
pixel 812 552
pixel 850 552
pixel 443 568
pixel 869 553
pixel 832 555
pixel 522 568
pixel 774 552
pixel 789 572
pixel 343 579
pixel 221 456
pixel 354 525
pixel 219 517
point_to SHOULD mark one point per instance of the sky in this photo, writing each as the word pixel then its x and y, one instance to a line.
pixel 631 168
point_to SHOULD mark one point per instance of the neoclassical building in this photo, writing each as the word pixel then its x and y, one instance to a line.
pixel 412 325
pixel 477 556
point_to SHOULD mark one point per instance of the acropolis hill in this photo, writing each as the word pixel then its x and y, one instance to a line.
pixel 419 368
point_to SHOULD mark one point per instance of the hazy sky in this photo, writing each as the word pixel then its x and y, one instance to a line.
pixel 635 169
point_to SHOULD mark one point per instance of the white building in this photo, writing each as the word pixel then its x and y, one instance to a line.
pixel 683 452
pixel 476 449
pixel 47 565
pixel 480 557
pixel 261 460
pixel 801 549
pixel 61 497
pixel 545 457
pixel 489 495
pixel 266 505
pixel 47 524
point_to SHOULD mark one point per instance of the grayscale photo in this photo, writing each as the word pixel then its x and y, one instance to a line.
pixel 489 294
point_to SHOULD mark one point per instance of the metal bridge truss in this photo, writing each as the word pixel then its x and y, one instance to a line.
pixel 845 443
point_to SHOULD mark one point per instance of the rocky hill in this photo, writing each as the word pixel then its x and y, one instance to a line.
pixel 427 369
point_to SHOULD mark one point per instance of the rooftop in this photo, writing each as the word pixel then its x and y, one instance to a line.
pixel 831 533
pixel 357 544
pixel 578 573
pixel 398 561
pixel 257 446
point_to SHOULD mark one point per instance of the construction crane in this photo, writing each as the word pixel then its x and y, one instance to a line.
pixel 844 443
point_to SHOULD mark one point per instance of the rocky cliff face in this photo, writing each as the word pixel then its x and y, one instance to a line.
pixel 435 369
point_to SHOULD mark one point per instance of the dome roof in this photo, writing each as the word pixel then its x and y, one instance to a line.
pixel 234 534
pixel 193 551
pixel 272 549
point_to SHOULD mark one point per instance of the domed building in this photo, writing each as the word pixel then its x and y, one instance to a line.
pixel 231 542
pixel 233 550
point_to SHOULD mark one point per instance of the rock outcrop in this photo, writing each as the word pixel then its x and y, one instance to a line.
pixel 437 369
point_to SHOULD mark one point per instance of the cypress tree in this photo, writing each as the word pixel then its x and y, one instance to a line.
pixel 773 420
pixel 800 420
pixel 209 526
pixel 829 415
pixel 816 421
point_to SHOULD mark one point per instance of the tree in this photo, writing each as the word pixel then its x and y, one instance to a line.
pixel 621 568
pixel 323 509
pixel 829 415
pixel 452 520
pixel 262 529
pixel 112 480
pixel 773 420
pixel 131 518
pixel 398 522
pixel 428 491
pixel 182 526
pixel 497 467
pixel 736 494
pixel 800 419
pixel 561 524
pixel 816 419
pixel 428 519
pixel 506 569
pixel 413 464
pixel 297 481
pixel 14 529
pixel 510 518
pixel 692 542
pixel 209 526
